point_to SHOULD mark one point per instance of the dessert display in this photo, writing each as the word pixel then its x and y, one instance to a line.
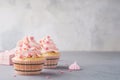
pixel 74 66
pixel 28 58
pixel 50 52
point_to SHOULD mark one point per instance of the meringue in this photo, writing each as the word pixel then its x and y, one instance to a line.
pixel 74 66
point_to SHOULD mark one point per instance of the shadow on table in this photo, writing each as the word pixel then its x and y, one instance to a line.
pixel 45 74
pixel 57 72
pixel 52 74
pixel 65 68
pixel 61 67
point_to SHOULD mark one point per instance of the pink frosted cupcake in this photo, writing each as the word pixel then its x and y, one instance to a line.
pixel 28 58
pixel 50 52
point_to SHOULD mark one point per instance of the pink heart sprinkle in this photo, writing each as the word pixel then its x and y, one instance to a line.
pixel 40 41
pixel 70 70
pixel 48 36
pixel 47 42
pixel 47 48
pixel 48 77
pixel 14 75
pixel 31 38
pixel 28 46
pixel 25 48
pixel 61 72
pixel 21 56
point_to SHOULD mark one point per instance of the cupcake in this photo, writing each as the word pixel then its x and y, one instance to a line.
pixel 50 52
pixel 28 58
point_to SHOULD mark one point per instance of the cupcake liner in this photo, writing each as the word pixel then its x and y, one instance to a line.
pixel 27 73
pixel 28 67
pixel 51 62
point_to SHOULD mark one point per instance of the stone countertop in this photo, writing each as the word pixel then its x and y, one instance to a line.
pixel 94 66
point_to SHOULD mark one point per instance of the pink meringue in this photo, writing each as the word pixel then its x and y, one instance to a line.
pixel 48 45
pixel 74 66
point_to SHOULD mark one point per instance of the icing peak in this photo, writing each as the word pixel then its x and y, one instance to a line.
pixel 48 45
pixel 28 47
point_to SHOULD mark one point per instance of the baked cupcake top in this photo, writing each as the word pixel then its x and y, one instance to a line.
pixel 47 45
pixel 28 49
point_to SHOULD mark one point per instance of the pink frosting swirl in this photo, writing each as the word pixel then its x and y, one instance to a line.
pixel 48 45
pixel 28 47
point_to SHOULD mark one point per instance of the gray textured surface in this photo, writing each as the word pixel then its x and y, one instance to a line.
pixel 94 66
pixel 74 24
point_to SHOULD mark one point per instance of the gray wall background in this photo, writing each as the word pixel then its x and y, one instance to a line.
pixel 82 25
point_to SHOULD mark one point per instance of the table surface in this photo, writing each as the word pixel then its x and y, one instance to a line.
pixel 94 66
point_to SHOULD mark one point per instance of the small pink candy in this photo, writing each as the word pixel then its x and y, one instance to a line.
pixel 70 70
pixel 61 72
pixel 40 41
pixel 21 56
pixel 25 48
pixel 48 77
pixel 29 46
pixel 31 38
pixel 46 48
pixel 47 42
pixel 14 75
pixel 74 66
pixel 48 36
